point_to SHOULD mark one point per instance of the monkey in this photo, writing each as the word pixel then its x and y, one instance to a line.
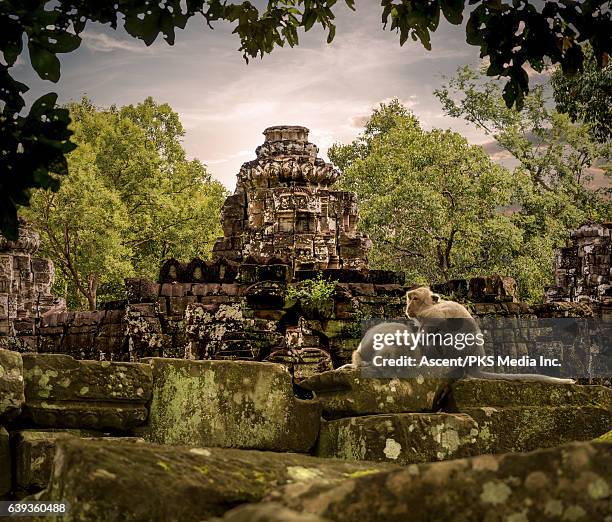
pixel 429 311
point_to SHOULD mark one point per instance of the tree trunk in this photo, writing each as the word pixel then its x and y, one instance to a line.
pixel 92 290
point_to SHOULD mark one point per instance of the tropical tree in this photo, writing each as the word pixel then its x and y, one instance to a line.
pixel 587 96
pixel 131 200
pixel 429 200
pixel 558 156
pixel 562 173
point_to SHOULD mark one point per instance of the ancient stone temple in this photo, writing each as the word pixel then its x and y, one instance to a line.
pixel 583 269
pixel 25 284
pixel 284 208
pixel 286 230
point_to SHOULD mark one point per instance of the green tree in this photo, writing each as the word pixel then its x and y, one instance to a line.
pixel 554 175
pixel 587 97
pixel 33 146
pixel 131 200
pixel 428 199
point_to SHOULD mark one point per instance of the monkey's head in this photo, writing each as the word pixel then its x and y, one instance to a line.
pixel 419 299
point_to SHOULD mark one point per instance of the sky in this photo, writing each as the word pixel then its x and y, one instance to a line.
pixel 225 104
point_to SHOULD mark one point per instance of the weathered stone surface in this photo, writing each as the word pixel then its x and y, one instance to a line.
pixel 570 482
pixel 11 384
pixel 468 393
pixel 583 271
pixel 62 392
pixel 61 378
pixel 34 452
pixel 402 438
pixel 267 512
pixel 25 285
pixel 345 393
pixel 524 428
pixel 284 209
pixel 5 463
pixel 149 482
pixel 239 404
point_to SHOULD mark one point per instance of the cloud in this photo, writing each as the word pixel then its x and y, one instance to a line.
pixel 239 154
pixel 106 43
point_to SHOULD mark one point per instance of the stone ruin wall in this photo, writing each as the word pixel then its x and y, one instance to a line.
pixel 284 224
pixel 583 269
pixel 25 284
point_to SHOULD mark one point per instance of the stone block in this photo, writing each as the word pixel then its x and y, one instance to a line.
pixel 62 392
pixel 523 428
pixel 402 438
pixel 470 393
pixel 237 404
pixel 5 463
pixel 570 482
pixel 345 393
pixel 141 290
pixel 142 482
pixel 338 328
pixel 11 384
pixel 34 451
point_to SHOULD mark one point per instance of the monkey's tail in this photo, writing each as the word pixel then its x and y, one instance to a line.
pixel 527 377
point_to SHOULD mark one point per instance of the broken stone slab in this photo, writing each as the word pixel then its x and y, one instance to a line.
pixel 62 392
pixel 345 393
pixel 231 404
pixel 523 428
pixel 11 384
pixel 469 393
pixel 570 482
pixel 5 463
pixel 267 512
pixel 401 438
pixel 34 451
pixel 62 378
pixel 105 481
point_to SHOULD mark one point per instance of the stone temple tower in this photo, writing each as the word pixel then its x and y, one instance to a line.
pixel 284 209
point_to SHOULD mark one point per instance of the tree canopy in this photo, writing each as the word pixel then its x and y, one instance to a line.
pixel 429 200
pixel 130 200
pixel 587 97
pixel 438 208
pixel 33 146
pixel 557 161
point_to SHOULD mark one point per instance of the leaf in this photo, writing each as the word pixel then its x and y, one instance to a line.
pixel 146 28
pixel 332 33
pixel 309 19
pixel 45 63
pixel 65 42
pixel 453 10
pixel 43 105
